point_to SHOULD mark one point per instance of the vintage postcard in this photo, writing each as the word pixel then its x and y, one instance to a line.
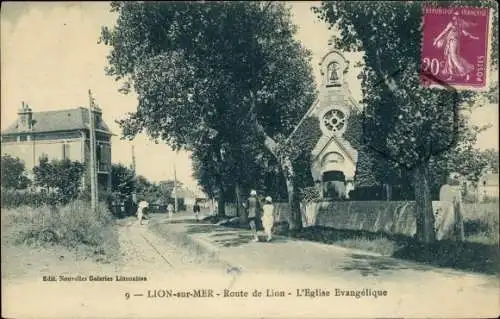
pixel 249 159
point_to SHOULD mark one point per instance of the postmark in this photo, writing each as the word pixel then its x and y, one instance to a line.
pixel 455 47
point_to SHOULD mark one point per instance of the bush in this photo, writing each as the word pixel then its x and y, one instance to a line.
pixel 15 198
pixel 63 177
pixel 72 226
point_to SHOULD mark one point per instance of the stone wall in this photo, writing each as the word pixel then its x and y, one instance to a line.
pixel 393 217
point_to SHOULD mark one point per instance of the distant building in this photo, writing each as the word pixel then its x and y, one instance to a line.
pixel 187 195
pixel 333 158
pixel 59 135
pixel 488 187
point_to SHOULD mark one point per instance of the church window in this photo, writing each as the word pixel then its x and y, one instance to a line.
pixel 334 120
pixel 332 157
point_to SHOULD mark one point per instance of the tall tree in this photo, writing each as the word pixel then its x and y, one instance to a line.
pixel 213 75
pixel 122 179
pixel 13 175
pixel 407 123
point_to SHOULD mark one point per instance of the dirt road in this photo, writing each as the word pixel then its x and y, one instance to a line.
pixel 83 287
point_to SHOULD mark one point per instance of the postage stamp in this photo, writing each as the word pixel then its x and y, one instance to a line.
pixel 455 47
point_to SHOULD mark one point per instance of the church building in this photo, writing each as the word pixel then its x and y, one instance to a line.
pixel 333 158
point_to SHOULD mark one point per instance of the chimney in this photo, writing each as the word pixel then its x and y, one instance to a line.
pixel 25 120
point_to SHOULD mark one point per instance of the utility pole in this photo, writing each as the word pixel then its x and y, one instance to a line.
pixel 175 182
pixel 133 158
pixel 134 192
pixel 92 164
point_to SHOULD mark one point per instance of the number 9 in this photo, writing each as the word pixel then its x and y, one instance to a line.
pixel 127 295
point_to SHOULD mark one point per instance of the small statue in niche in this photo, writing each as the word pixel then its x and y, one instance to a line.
pixel 333 75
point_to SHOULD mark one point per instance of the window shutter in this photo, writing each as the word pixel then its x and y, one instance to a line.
pixel 106 154
pixel 66 151
pixel 99 153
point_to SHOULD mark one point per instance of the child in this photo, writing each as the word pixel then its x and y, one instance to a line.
pixel 268 217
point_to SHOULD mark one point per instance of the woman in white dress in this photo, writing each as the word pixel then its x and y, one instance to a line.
pixel 449 40
pixel 268 217
pixel 170 210
pixel 140 210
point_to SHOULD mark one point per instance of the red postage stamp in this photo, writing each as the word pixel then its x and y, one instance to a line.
pixel 455 47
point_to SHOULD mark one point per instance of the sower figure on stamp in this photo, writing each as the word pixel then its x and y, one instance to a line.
pixel 268 217
pixel 449 39
pixel 253 207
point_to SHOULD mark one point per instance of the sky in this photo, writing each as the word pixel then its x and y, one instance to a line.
pixel 51 58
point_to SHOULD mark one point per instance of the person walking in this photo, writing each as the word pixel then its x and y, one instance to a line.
pixel 170 210
pixel 140 211
pixel 196 210
pixel 253 208
pixel 268 217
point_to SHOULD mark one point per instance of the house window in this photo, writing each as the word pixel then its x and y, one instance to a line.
pixel 102 155
pixel 99 153
pixel 23 138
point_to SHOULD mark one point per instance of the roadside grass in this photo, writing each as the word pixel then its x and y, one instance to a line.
pixel 72 226
pixel 379 243
pixel 481 223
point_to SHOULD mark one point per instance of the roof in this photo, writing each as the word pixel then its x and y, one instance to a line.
pixel 342 143
pixel 61 120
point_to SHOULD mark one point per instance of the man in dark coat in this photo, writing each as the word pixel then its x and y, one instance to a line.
pixel 253 209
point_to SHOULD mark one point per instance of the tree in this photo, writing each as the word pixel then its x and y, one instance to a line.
pixel 166 188
pixel 217 79
pixel 463 158
pixel 61 177
pixel 13 175
pixel 408 124
pixel 122 179
pixel 145 189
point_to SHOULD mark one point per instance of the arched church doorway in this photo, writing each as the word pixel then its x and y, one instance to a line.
pixel 334 185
